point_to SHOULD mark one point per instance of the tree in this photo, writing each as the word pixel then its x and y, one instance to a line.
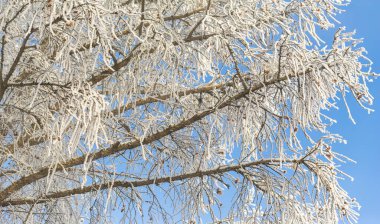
pixel 167 110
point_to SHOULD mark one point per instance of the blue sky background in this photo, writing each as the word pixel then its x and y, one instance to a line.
pixel 364 137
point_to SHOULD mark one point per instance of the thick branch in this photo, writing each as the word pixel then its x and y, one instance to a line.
pixel 3 42
pixel 142 183
pixel 106 73
pixel 182 16
pixel 157 98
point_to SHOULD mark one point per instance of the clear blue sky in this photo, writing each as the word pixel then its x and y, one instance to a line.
pixel 364 137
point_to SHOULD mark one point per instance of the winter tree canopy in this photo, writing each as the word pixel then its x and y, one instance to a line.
pixel 165 111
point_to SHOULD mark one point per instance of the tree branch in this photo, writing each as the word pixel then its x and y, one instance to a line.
pixel 142 183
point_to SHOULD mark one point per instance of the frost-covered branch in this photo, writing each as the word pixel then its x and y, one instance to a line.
pixel 99 100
